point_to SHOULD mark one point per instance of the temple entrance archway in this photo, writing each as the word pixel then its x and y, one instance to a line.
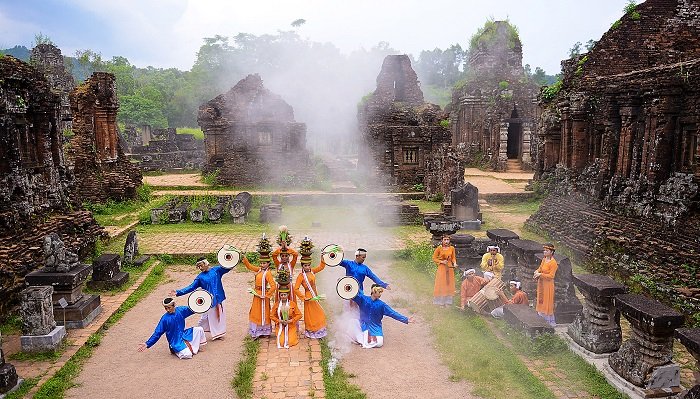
pixel 515 136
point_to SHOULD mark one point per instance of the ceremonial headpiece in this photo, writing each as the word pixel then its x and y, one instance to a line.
pixel 284 236
pixel 264 249
pixel 305 250
pixel 515 283
pixel 548 246
pixel 202 260
pixel 282 280
pixel 488 275
pixel 469 271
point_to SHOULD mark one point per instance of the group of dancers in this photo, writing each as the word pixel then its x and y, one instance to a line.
pixel 492 264
pixel 274 300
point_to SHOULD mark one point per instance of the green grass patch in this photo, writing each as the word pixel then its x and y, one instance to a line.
pixel 11 325
pixel 194 131
pixel 57 385
pixel 426 206
pixel 45 356
pixel 338 385
pixel 23 389
pixel 242 383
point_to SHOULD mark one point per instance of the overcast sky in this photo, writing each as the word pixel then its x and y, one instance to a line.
pixel 168 33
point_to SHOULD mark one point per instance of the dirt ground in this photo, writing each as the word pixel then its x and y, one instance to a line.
pixel 408 365
pixel 117 370
pixel 182 179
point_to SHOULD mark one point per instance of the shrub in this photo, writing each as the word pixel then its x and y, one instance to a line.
pixel 445 123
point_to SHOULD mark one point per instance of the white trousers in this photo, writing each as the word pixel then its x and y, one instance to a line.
pixel 214 321
pixel 198 339
pixel 363 339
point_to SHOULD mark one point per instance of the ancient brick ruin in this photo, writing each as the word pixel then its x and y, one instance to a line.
pixel 35 184
pixel 251 137
pixel 493 109
pixel 618 147
pixel 102 171
pixel 399 128
pixel 48 59
pixel 162 149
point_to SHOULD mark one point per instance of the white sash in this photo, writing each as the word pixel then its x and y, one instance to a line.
pixel 285 328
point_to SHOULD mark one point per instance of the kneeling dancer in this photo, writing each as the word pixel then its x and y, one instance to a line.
pixel 372 310
pixel 183 343
pixel 285 314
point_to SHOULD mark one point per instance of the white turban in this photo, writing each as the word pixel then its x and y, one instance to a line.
pixel 169 301
pixel 488 275
pixel 468 271
pixel 490 247
pixel 515 283
pixel 360 251
pixel 203 261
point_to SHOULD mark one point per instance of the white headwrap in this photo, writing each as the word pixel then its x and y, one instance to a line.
pixel 466 272
pixel 490 247
pixel 488 275
pixel 169 301
pixel 203 261
pixel 360 251
pixel 515 283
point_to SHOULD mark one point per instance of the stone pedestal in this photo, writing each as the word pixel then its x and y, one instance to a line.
pixel 466 256
pixel 502 237
pixel 81 309
pixel 440 225
pixel 646 358
pixel 597 327
pixel 690 338
pixel 131 247
pixel 522 253
pixel 106 273
pixel 566 304
pixel 526 319
pixel 8 375
pixel 39 330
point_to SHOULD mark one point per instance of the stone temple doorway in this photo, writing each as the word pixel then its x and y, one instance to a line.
pixel 515 135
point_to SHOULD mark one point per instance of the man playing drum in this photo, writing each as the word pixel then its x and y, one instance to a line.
pixel 183 343
pixel 359 270
pixel 519 298
pixel 470 286
pixel 209 279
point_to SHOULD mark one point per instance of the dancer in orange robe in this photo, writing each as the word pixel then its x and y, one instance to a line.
pixel 259 315
pixel 314 316
pixel 286 315
pixel 545 284
pixel 446 261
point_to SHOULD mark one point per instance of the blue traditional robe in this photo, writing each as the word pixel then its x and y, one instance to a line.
pixel 372 312
pixel 209 281
pixel 359 271
pixel 173 325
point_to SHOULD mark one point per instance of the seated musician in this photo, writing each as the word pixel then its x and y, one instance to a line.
pixel 519 297
pixel 470 286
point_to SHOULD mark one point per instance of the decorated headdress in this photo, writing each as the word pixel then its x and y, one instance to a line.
pixel 284 236
pixel 264 249
pixel 490 247
pixel 305 250
pixel 282 280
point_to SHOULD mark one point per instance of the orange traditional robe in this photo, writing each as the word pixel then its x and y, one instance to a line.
pixel 314 316
pixel 520 298
pixel 445 276
pixel 470 288
pixel 286 335
pixel 260 309
pixel 545 286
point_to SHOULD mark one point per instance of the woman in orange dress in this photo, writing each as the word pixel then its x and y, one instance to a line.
pixel 259 315
pixel 314 316
pixel 545 284
pixel 446 261
pixel 286 315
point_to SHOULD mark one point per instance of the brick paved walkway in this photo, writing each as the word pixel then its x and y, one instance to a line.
pixel 204 243
pixel 289 373
pixel 77 337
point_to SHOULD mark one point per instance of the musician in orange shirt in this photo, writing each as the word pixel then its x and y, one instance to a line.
pixel 470 286
pixel 519 298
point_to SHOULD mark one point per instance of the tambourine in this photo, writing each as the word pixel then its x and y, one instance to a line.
pixel 228 256
pixel 347 287
pixel 332 254
pixel 200 301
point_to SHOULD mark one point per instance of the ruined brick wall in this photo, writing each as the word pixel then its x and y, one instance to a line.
pixel 493 108
pixel 35 184
pixel 618 148
pixel 48 59
pixel 251 137
pixel 102 171
pixel 398 127
pixel 163 149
